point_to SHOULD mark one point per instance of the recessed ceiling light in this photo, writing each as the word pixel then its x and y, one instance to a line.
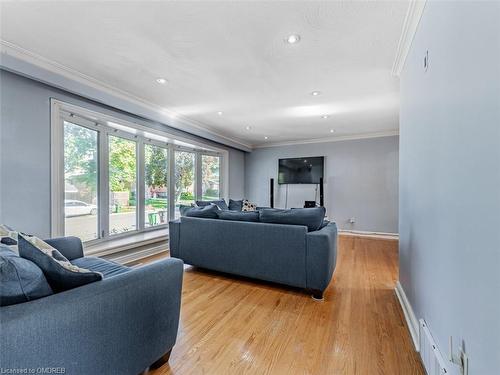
pixel 248 127
pixel 325 116
pixel 293 39
pixel 266 137
pixel 161 81
pixel 316 93
pixel 332 131
pixel 219 113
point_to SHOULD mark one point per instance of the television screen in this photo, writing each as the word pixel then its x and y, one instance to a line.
pixel 306 170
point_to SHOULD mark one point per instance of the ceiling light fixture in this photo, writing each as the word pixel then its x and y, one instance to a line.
pixel 332 131
pixel 219 113
pixel 266 137
pixel 293 39
pixel 161 81
pixel 325 116
pixel 316 93
pixel 248 127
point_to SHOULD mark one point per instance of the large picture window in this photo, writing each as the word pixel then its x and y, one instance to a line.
pixel 156 185
pixel 122 177
pixel 80 182
pixel 112 178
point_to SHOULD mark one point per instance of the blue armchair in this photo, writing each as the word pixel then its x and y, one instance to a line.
pixel 120 325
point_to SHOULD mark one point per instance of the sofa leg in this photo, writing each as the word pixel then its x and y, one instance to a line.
pixel 163 359
pixel 317 295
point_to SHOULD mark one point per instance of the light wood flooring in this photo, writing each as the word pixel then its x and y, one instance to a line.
pixel 232 325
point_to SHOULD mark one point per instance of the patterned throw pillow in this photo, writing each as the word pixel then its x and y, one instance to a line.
pixel 60 273
pixel 248 206
pixel 8 238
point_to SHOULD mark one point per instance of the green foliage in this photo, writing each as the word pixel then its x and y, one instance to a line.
pixel 156 166
pixel 122 164
pixel 184 173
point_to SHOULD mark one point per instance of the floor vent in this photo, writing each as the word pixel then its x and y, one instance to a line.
pixel 431 356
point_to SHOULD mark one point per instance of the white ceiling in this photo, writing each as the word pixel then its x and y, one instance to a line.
pixel 231 57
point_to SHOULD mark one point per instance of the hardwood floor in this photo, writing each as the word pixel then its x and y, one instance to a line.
pixel 232 325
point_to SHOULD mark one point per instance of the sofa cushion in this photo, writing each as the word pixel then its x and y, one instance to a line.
pixel 248 206
pixel 59 272
pixel 20 279
pixel 8 237
pixel 235 205
pixel 183 209
pixel 312 218
pixel 219 203
pixel 206 212
pixel 239 216
pixel 108 268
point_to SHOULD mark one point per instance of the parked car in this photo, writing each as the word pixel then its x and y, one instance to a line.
pixel 74 208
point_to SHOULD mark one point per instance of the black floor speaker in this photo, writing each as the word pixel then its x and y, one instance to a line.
pixel 271 193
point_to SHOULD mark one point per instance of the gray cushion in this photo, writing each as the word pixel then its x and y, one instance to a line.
pixel 207 212
pixel 60 278
pixel 183 209
pixel 235 205
pixel 239 216
pixel 108 268
pixel 312 218
pixel 20 279
pixel 219 203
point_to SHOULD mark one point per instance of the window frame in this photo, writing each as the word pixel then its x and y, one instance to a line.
pixel 137 132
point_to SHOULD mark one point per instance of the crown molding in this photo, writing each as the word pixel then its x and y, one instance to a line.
pixel 65 78
pixel 339 138
pixel 410 26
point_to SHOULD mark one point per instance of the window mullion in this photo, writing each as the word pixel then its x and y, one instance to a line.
pixel 198 177
pixel 140 189
pixel 104 184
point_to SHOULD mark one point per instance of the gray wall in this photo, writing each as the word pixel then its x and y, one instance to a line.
pixel 450 178
pixel 25 151
pixel 361 181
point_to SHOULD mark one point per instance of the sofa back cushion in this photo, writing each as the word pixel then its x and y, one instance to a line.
pixel 20 279
pixel 219 203
pixel 235 205
pixel 59 272
pixel 312 218
pixel 206 212
pixel 239 216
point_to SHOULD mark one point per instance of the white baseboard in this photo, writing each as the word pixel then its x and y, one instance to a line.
pixel 362 233
pixel 411 320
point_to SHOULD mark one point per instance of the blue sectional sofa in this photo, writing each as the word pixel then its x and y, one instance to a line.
pixel 119 325
pixel 286 254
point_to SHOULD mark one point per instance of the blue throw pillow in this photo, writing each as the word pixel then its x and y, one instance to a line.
pixel 239 216
pixel 235 205
pixel 207 212
pixel 59 272
pixel 20 279
pixel 219 203
pixel 312 218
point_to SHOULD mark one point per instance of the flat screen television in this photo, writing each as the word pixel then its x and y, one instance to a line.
pixel 307 170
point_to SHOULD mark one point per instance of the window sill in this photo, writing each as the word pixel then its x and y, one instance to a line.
pixel 126 243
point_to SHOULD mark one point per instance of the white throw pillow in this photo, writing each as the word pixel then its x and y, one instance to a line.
pixel 248 206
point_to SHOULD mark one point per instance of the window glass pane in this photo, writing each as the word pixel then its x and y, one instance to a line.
pixel 122 185
pixel 156 191
pixel 210 180
pixel 80 182
pixel 184 179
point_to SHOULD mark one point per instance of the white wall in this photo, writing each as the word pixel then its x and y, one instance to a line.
pixel 361 181
pixel 450 178
pixel 25 151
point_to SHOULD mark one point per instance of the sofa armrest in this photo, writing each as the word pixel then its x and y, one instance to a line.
pixel 70 247
pixel 174 235
pixel 321 256
pixel 118 325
